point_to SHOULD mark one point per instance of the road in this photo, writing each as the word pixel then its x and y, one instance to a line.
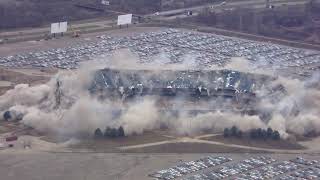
pixel 228 5
pixel 96 25
pixel 34 33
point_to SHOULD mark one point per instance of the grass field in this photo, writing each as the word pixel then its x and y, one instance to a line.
pixel 189 148
pixel 111 145
pixel 245 141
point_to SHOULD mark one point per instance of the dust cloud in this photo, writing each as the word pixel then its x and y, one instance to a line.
pixel 76 111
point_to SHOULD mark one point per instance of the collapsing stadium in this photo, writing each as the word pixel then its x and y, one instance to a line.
pixel 236 91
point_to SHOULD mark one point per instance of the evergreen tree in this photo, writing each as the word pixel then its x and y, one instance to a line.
pixel 264 134
pixel 7 116
pixel 239 134
pixel 98 133
pixel 276 135
pixel 121 132
pixel 259 133
pixel 269 132
pixel 114 133
pixel 234 131
pixel 253 133
pixel 226 132
pixel 107 132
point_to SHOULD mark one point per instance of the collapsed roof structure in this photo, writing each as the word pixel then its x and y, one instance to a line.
pixel 189 91
pixel 187 83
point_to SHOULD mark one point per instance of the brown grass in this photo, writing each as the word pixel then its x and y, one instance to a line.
pixel 111 145
pixel 190 148
pixel 19 78
pixel 246 141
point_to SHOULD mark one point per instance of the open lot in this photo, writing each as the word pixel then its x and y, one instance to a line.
pixel 11 77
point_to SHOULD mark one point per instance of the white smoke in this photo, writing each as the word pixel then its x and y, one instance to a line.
pixel 140 117
pixel 81 113
pixel 23 94
pixel 216 121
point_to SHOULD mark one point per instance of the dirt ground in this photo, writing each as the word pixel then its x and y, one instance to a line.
pixel 13 77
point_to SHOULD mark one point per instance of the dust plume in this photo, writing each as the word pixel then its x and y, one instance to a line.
pixel 64 105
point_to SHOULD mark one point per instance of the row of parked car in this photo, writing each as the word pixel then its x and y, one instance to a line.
pixel 270 171
pixel 170 46
pixel 302 174
pixel 189 167
pixel 260 168
pixel 311 170
pixel 211 50
pixel 233 169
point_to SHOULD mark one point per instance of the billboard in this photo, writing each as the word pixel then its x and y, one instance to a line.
pixel 63 26
pixel 59 27
pixel 124 19
pixel 55 28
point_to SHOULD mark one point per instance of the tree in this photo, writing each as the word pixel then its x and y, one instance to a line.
pixel 259 133
pixel 7 116
pixel 276 135
pixel 114 133
pixel 264 134
pixel 98 133
pixel 253 133
pixel 234 131
pixel 269 132
pixel 226 132
pixel 121 132
pixel 239 134
pixel 107 132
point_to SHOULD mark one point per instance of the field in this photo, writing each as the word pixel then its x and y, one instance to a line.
pixel 19 14
pixel 190 148
pixel 112 145
pixel 291 22
pixel 280 144
pixel 12 77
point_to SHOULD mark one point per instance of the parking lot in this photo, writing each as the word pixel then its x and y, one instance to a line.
pixel 206 50
pixel 189 167
pixel 36 165
pixel 255 168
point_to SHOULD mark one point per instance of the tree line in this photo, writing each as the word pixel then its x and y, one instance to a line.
pixel 232 132
pixel 109 133
pixel 257 133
